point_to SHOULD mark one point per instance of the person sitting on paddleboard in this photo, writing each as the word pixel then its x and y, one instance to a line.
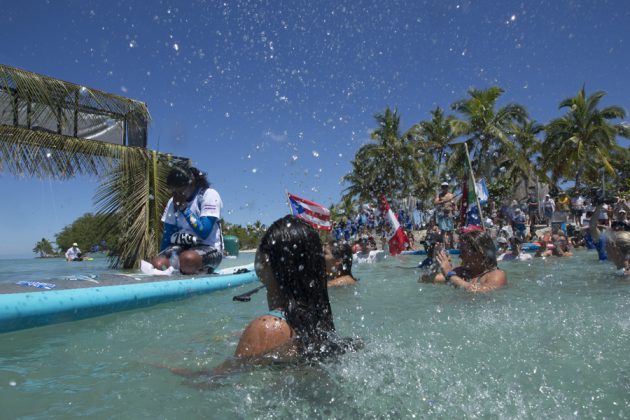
pixel 192 239
pixel 478 272
pixel 290 263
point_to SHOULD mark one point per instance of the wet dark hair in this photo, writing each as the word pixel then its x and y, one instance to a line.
pixel 341 250
pixel 482 243
pixel 183 175
pixel 296 257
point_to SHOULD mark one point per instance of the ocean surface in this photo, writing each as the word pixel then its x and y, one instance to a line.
pixel 553 344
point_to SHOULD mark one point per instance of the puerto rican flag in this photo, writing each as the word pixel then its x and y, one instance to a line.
pixel 312 213
pixel 397 236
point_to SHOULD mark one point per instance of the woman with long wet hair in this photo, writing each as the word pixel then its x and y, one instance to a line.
pixel 192 241
pixel 290 262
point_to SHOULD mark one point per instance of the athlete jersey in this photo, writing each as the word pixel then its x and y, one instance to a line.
pixel 204 203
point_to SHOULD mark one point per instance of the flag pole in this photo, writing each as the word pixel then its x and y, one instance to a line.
pixel 472 175
pixel 288 201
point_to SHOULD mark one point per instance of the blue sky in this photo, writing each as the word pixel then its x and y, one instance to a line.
pixel 274 95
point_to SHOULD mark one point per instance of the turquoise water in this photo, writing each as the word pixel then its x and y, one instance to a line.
pixel 553 344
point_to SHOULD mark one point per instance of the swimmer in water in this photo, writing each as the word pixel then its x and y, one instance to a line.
pixel 478 272
pixel 338 257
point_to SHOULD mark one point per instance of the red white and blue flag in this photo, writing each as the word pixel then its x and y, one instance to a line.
pixel 397 236
pixel 312 213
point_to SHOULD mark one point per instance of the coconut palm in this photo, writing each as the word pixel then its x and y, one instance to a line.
pixel 523 165
pixel 487 128
pixel 44 248
pixel 434 139
pixel 40 136
pixel 579 144
pixel 388 166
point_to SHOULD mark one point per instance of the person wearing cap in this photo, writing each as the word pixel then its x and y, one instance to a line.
pixel 445 206
pixel 73 253
pixel 549 207
pixel 621 222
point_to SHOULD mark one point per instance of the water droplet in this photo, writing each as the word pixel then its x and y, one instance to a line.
pixel 176 47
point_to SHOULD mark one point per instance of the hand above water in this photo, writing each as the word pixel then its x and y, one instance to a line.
pixel 445 261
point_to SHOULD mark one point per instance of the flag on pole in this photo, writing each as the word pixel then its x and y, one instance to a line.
pixel 397 237
pixel 469 213
pixel 312 213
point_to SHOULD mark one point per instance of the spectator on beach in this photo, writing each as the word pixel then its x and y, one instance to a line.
pixel 192 241
pixel 532 208
pixel 518 224
pixel 549 207
pixel 512 211
pixel 74 253
pixel 445 207
pixel 338 257
pixel 577 208
pixel 290 263
pixel 478 272
pixel 621 223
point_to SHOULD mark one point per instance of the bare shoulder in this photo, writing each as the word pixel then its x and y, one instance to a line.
pixel 342 281
pixel 262 335
pixel 494 279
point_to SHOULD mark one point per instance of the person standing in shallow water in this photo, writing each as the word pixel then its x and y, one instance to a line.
pixel 192 241
pixel 478 272
pixel 445 206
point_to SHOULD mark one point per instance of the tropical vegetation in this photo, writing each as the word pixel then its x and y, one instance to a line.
pixel 506 146
pixel 44 248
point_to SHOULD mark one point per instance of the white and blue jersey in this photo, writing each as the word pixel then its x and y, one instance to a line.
pixel 206 203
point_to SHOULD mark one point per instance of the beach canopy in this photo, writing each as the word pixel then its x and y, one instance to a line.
pixel 48 106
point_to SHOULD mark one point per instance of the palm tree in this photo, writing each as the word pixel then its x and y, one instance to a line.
pixel 523 164
pixel 43 248
pixel 487 128
pixel 44 141
pixel 434 137
pixel 388 166
pixel 579 143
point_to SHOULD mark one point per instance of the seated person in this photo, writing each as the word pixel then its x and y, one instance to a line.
pixel 338 257
pixel 74 253
pixel 515 253
pixel 192 240
pixel 478 272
